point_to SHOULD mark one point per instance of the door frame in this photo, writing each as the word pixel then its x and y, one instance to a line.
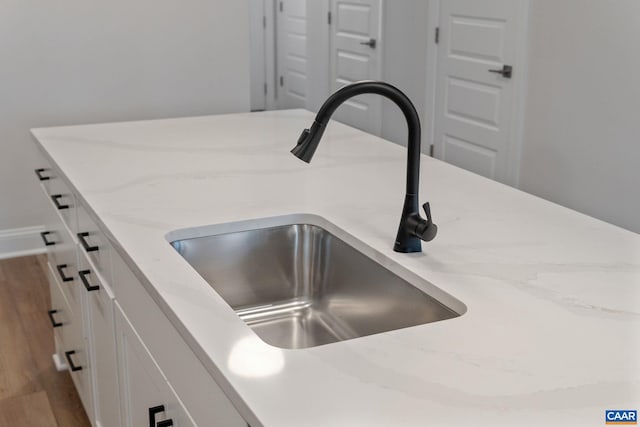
pixel 516 127
pixel 258 59
pixel 263 70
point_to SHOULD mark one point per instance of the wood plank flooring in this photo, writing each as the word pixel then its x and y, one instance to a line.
pixel 32 392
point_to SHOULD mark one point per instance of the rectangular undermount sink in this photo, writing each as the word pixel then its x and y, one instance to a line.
pixel 300 286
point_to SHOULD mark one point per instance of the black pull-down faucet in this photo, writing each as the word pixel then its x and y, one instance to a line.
pixel 413 227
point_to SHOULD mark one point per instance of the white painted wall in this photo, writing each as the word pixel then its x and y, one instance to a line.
pixel 582 129
pixel 73 61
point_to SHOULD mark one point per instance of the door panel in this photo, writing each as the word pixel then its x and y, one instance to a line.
pixel 356 22
pixel 292 53
pixel 470 156
pixel 474 106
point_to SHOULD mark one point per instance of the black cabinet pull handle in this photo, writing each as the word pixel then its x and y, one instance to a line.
pixel 165 423
pixel 55 199
pixel 63 276
pixel 40 176
pixel 83 277
pixel 53 321
pixel 153 411
pixel 44 235
pixel 87 247
pixel 72 366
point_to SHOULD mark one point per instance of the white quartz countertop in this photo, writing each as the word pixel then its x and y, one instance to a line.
pixel 551 329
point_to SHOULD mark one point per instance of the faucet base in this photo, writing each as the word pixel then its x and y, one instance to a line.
pixel 407 246
pixel 406 240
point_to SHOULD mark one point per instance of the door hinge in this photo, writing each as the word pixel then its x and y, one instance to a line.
pixel 431 149
pixel 329 18
pixel 264 22
pixel 437 36
pixel 265 88
pixel 281 81
pixel 281 6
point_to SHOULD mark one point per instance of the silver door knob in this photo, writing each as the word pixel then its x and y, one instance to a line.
pixel 371 43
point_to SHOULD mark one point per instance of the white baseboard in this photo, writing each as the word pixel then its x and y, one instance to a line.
pixel 17 242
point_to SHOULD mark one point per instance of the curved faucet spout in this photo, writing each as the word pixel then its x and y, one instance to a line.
pixel 413 228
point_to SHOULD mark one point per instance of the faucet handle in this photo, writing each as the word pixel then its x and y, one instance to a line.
pixel 427 212
pixel 430 230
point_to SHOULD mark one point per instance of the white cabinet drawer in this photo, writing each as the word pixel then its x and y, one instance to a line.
pixel 94 243
pixel 45 174
pixel 150 399
pixel 63 201
pixel 58 192
pixel 206 402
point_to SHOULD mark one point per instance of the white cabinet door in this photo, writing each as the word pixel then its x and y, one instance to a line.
pixel 205 401
pixel 103 345
pixel 78 357
pixel 147 397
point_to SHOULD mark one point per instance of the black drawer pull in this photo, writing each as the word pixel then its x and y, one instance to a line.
pixel 53 321
pixel 72 366
pixel 83 277
pixel 44 235
pixel 165 423
pixel 40 176
pixel 153 411
pixel 87 247
pixel 55 199
pixel 63 276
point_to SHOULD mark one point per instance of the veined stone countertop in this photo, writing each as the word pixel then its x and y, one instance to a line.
pixel 551 331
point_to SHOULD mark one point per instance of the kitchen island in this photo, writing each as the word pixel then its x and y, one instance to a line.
pixel 549 331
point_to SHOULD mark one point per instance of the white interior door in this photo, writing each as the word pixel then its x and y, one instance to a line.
pixel 474 108
pixel 292 53
pixel 355 54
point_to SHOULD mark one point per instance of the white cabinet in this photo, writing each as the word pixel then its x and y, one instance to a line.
pixel 100 314
pixel 68 306
pixel 149 397
pixel 129 364
pixel 203 398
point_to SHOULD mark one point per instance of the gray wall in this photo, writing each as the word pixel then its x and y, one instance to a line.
pixel 582 128
pixel 73 61
pixel 404 62
pixel 317 53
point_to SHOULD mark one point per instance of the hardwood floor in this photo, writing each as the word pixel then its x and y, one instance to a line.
pixel 32 392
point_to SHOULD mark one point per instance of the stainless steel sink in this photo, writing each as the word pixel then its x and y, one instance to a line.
pixel 300 286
